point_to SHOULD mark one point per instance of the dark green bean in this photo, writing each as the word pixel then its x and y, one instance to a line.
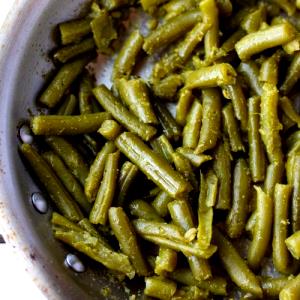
pixel 292 76
pixel 160 203
pixel 288 108
pixel 68 107
pixel 85 94
pixel 121 114
pixel 114 4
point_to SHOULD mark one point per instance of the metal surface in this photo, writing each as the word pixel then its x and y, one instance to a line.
pixel 25 39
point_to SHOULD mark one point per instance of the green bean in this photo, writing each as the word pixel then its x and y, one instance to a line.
pixel 51 183
pixel 95 249
pixel 292 244
pixel 292 47
pixel 181 215
pixel 62 81
pixel 231 128
pixel 184 167
pixel 287 6
pixel 121 114
pixel 290 164
pixel 196 159
pixel 236 219
pixel 60 222
pixel 68 52
pixel 160 287
pixel 155 167
pixel 211 39
pixel 274 175
pixel 167 87
pixel 269 123
pixel 93 179
pixel 252 21
pixel 250 73
pixel 128 174
pixel 216 285
pixel 74 31
pixel 67 125
pixel 269 69
pixel 71 157
pixel 212 76
pixel 166 261
pixel 292 140
pixel 170 128
pixel 191 131
pixel 68 180
pixel 261 40
pixel 250 225
pixel 211 120
pixel 229 44
pixel 225 7
pixel 288 108
pixel 134 94
pixel 143 210
pixel 171 31
pixel 85 94
pixel 291 290
pixel 296 195
pixel 174 8
pixel 236 95
pixel 127 57
pixel 105 195
pixel 103 30
pixel 160 203
pixel 235 266
pixel 163 146
pixel 222 168
pixel 114 4
pixel 68 107
pixel 263 227
pixel 205 226
pixel 292 75
pixel 151 5
pixel 190 293
pixel 272 286
pixel 281 257
pixel 183 105
pixel 110 129
pixel 126 237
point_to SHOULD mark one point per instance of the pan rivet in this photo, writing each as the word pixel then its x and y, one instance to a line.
pixel 39 203
pixel 25 134
pixel 74 263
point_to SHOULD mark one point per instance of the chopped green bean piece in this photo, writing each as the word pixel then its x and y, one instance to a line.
pixel 160 287
pixel 196 159
pixel 183 105
pixel 110 129
pixel 163 146
pixel 291 290
pixel 296 195
pixel 68 107
pixel 167 87
pixel 269 69
pixel 272 286
pixel 288 108
pixel 160 203
pixel 144 210
pixel 86 94
pixel 165 261
pixel 292 76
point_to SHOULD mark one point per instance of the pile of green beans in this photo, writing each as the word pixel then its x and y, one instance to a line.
pixel 200 202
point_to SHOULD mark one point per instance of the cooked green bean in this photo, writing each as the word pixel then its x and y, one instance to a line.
pixel 166 88
pixel 127 57
pixel 291 290
pixel 263 227
pixel 288 108
pixel 269 123
pixel 229 44
pixel 216 285
pixel 196 159
pixel 290 164
pixel 144 210
pixel 235 266
pixel 160 203
pixel 252 21
pixel 212 76
pixel 292 243
pixel 191 131
pixel 74 31
pixel 71 157
pixel 269 69
pixel 93 179
pixel 134 94
pixel 69 181
pixel 222 168
pixel 170 128
pixel 272 286
pixel 171 30
pixel 250 73
pixel 184 103
pixel 105 195
pixel 257 159
pixel 235 94
pixel 68 52
pixel 261 40
pixel 163 146
pixel 155 167
pixel 52 184
pixel 126 237
pixel 211 120
pixel 110 129
pixel 231 128
pixel 286 5
pixel 296 195
pixel 281 257
pixel 127 176
pixel 160 287
pixel 225 7
pixel 121 114
pixel 274 175
pixel 68 107
pixel 103 30
pixel 85 94
pixel 190 293
pixel 67 125
pixel 236 219
pixel 62 81
pixel 166 261
pixel 151 5
pixel 292 76
pixel 114 4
